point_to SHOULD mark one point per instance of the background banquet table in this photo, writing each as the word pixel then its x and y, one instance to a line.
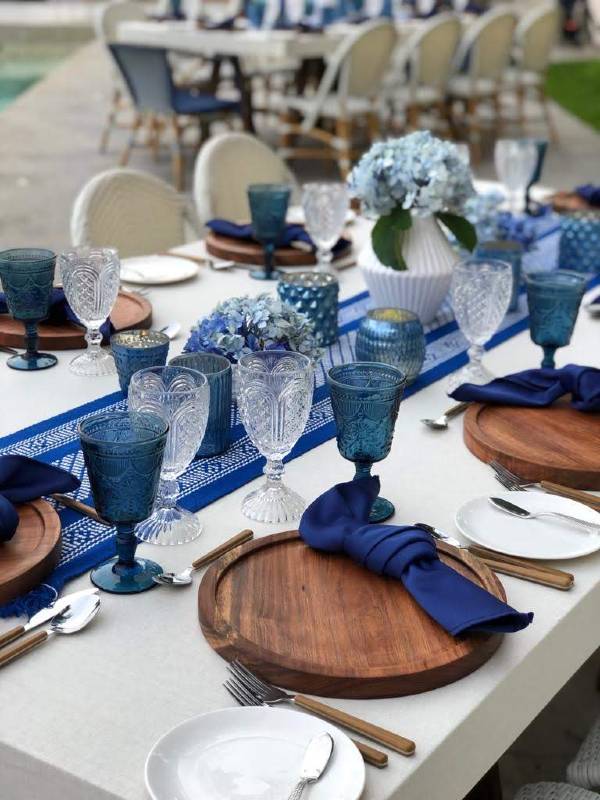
pixel 78 717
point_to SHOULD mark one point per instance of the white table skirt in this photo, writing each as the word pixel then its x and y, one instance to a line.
pixel 78 717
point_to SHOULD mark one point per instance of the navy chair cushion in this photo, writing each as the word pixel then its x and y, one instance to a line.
pixel 186 101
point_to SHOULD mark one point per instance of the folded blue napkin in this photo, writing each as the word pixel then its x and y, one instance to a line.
pixel 590 193
pixel 60 312
pixel 23 479
pixel 338 522
pixel 291 233
pixel 538 388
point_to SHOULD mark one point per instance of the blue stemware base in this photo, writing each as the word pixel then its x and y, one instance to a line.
pixel 28 363
pixel 127 580
pixel 263 275
pixel 382 509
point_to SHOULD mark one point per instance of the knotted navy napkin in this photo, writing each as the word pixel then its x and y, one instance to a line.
pixel 291 233
pixel 589 193
pixel 338 522
pixel 23 479
pixel 537 388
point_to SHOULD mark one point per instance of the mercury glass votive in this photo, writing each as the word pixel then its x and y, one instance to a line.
pixel 508 251
pixel 580 241
pixel 392 336
pixel 316 295
pixel 137 349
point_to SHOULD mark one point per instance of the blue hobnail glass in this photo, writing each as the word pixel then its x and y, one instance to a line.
pixel 123 454
pixel 392 336
pixel 510 252
pixel 365 398
pixel 135 350
pixel 268 208
pixel 316 295
pixel 27 275
pixel 554 299
pixel 218 372
pixel 579 248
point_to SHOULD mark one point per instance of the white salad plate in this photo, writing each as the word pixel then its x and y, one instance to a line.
pixel 157 270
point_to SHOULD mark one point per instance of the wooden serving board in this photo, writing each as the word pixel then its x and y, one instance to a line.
pixel 130 311
pixel 321 624
pixel 244 252
pixel 556 443
pixel 32 553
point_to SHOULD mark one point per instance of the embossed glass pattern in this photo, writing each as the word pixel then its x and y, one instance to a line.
pixel 123 454
pixel 505 250
pixel 27 275
pixel 135 350
pixel 365 398
pixel 268 208
pixel 90 277
pixel 275 397
pixel 554 299
pixel 580 241
pixel 480 293
pixel 181 397
pixel 392 336
pixel 316 295
pixel 325 208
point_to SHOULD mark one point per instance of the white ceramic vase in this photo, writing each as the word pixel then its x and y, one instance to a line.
pixel 422 288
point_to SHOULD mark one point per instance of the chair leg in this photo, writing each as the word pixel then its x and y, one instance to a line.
pixel 110 120
pixel 520 93
pixel 177 155
pixel 547 115
pixel 343 132
pixel 474 129
pixel 288 118
pixel 154 136
pixel 135 126
pixel 373 126
pixel 497 103
pixel 412 117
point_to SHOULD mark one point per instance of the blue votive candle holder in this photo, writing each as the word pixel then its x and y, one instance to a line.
pixel 392 336
pixel 219 375
pixel 316 295
pixel 511 252
pixel 138 349
pixel 580 241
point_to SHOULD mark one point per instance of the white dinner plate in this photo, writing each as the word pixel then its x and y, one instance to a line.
pixel 154 270
pixel 295 216
pixel 544 538
pixel 588 302
pixel 249 754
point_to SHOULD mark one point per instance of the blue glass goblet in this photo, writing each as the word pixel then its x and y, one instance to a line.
pixel 268 208
pixel 123 454
pixel 554 299
pixel 365 397
pixel 27 275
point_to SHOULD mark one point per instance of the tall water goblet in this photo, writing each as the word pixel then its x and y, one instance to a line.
pixel 181 397
pixel 554 299
pixel 268 208
pixel 325 207
pixel 480 294
pixel 123 453
pixel 90 277
pixel 27 275
pixel 274 399
pixel 365 397
pixel 516 161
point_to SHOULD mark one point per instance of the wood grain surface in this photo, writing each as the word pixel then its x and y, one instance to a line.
pixel 321 624
pixel 245 252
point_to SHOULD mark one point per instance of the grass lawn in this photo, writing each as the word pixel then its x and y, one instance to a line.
pixel 575 85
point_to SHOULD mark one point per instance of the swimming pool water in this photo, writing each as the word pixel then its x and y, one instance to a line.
pixel 20 69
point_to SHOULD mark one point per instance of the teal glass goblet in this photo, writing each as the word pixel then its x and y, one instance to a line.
pixel 27 275
pixel 554 299
pixel 365 397
pixel 268 208
pixel 123 454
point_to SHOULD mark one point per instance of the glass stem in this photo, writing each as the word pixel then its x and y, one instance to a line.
pixel 548 360
pixel 269 252
pixel 93 338
pixel 324 259
pixel 362 470
pixel 31 339
pixel 126 545
pixel 475 353
pixel 274 471
pixel 168 492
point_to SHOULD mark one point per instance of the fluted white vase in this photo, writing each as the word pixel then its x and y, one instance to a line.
pixel 422 288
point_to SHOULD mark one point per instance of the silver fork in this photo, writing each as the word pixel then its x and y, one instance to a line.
pixel 268 694
pixel 513 483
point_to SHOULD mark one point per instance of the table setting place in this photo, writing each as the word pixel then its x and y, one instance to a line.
pixel 341 594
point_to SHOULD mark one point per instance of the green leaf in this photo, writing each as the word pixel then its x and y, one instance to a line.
pixel 461 228
pixel 388 235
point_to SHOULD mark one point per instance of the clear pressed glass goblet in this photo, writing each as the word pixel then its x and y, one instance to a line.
pixel 123 453
pixel 325 207
pixel 90 277
pixel 274 399
pixel 268 208
pixel 365 397
pixel 480 294
pixel 181 396
pixel 516 161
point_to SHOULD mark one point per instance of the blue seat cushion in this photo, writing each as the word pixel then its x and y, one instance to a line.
pixel 185 101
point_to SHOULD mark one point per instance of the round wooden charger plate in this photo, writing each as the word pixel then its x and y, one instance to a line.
pixel 131 311
pixel 32 553
pixel 321 624
pixel 556 443
pixel 245 252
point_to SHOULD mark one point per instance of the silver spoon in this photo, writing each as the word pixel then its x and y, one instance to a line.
pixel 315 761
pixel 517 511
pixel 441 423
pixel 184 578
pixel 171 329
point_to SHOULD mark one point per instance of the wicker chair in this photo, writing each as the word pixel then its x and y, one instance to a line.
pixel 554 791
pixel 584 769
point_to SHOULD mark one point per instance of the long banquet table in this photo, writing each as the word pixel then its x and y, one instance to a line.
pixel 78 717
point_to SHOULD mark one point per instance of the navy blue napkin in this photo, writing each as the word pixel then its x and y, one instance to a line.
pixel 60 312
pixel 338 522
pixel 291 233
pixel 538 388
pixel 590 193
pixel 23 479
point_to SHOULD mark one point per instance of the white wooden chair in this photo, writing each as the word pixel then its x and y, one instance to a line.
pixel 136 213
pixel 348 94
pixel 226 165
